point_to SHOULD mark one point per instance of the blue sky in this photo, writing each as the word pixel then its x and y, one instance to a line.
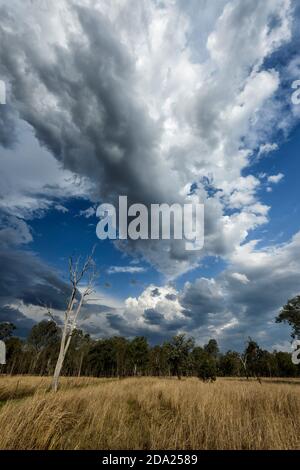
pixel 284 199
pixel 106 100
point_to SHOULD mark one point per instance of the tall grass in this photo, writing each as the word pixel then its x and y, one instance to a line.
pixel 150 413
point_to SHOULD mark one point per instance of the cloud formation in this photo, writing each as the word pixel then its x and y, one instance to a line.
pixel 169 101
pixel 227 307
pixel 150 115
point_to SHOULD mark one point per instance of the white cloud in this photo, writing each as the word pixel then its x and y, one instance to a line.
pixel 31 179
pixel 267 148
pixel 275 178
pixel 61 208
pixel 14 231
pixel 173 99
pixel 239 302
pixel 106 99
pixel 240 277
pixel 161 302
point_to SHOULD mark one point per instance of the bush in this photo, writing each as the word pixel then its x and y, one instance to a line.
pixel 207 370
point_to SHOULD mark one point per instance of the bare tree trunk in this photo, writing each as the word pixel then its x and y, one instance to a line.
pixel 244 363
pixel 57 372
pixel 61 357
pixel 71 315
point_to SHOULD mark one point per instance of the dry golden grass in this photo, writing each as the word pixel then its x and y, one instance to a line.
pixel 149 413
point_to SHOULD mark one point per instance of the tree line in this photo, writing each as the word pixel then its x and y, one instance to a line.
pixel 121 357
pixel 53 350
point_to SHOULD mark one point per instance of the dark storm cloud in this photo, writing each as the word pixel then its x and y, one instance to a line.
pixel 240 302
pixel 92 118
pixel 169 327
pixel 90 308
pixel 153 316
pixel 158 335
pixel 246 298
pixel 22 323
pixel 74 75
pixel 170 296
pixel 123 327
pixel 8 134
pixel 201 298
pixel 26 278
pixel 75 84
pixel 97 126
pixel 13 231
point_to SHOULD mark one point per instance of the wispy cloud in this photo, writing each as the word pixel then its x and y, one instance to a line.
pixel 126 269
pixel 87 213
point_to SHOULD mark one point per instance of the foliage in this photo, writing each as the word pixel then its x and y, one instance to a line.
pixel 121 357
pixel 6 330
pixel 290 313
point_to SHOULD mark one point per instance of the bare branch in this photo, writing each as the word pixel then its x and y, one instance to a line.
pixel 72 312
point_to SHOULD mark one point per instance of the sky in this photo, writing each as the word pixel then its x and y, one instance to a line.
pixel 165 102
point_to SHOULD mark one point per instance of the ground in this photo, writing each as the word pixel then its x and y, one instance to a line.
pixel 149 413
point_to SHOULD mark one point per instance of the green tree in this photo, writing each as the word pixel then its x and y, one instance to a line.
pixel 120 347
pixel 204 362
pixel 207 368
pixel 178 350
pixel 290 313
pixel 212 348
pixel 101 359
pixel 43 334
pixel 139 354
pixel 78 350
pixel 43 340
pixel 6 330
pixel 266 365
pixel 284 364
pixel 230 364
pixel 14 355
pixel 250 359
pixel 158 360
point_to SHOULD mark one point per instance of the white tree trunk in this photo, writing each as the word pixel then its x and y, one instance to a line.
pixel 57 372
pixel 61 357
pixel 70 315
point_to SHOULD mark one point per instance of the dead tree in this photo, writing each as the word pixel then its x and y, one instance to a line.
pixel 86 272
pixel 244 364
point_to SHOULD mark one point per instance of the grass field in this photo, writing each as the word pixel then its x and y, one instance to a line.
pixel 149 413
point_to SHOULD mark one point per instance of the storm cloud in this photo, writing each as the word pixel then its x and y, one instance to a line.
pixel 169 101
pixel 90 82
